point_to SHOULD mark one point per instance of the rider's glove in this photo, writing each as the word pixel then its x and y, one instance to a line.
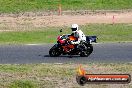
pixel 75 42
pixel 72 42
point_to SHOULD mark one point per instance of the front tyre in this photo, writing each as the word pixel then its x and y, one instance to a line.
pixel 54 51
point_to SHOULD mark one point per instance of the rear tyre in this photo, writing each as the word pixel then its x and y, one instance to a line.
pixel 84 54
pixel 87 52
pixel 90 49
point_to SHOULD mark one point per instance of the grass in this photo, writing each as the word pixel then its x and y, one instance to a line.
pixel 44 35
pixel 14 68
pixel 109 33
pixel 14 6
pixel 57 75
pixel 104 32
pixel 22 84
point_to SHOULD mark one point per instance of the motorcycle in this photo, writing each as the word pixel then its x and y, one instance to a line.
pixel 64 47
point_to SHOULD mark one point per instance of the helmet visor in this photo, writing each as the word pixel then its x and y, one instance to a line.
pixel 74 29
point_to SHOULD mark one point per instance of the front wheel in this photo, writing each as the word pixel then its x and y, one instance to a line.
pixel 54 52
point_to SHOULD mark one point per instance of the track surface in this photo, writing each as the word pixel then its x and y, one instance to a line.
pixel 21 54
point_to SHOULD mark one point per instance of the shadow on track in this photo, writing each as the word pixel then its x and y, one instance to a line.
pixel 73 56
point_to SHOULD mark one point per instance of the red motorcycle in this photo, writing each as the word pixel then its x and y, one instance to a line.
pixel 64 47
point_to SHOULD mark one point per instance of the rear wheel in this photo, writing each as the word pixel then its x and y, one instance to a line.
pixel 86 52
pixel 90 49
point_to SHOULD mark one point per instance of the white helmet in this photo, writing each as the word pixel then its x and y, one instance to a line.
pixel 74 27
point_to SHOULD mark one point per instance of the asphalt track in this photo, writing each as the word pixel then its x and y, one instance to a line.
pixel 23 54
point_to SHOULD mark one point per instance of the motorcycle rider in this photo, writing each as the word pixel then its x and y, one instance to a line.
pixel 79 37
pixel 78 34
pixel 73 44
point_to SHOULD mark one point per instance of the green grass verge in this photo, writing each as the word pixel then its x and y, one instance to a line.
pixel 35 5
pixel 104 32
pixel 22 84
pixel 57 75
pixel 109 33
